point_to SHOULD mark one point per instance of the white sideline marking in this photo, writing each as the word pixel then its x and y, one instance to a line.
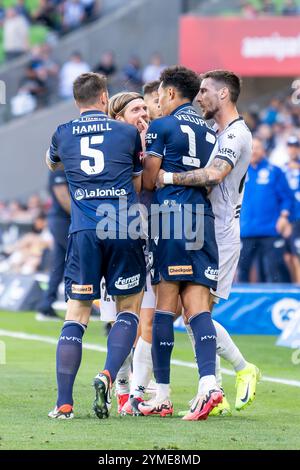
pixel 47 339
pixel 175 362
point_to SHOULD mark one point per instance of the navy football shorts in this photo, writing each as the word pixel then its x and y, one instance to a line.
pixel 293 242
pixel 153 263
pixel 120 262
pixel 177 263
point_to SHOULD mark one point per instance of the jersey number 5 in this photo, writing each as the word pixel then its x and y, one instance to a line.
pixel 97 155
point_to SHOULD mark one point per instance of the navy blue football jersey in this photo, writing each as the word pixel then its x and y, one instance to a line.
pixel 57 178
pixel 100 157
pixel 184 142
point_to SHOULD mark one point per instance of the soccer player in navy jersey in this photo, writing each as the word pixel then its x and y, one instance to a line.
pixel 181 140
pixel 131 108
pixel 225 176
pixel 100 157
pixel 150 91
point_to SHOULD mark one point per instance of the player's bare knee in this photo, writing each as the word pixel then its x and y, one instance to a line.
pixel 195 299
pixel 146 330
pixel 131 303
pixel 79 310
pixel 167 296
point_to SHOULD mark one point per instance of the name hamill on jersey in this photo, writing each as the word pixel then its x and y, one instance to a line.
pixel 99 127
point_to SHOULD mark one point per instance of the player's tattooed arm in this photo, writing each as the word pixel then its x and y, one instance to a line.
pixel 210 176
pixel 152 166
pixel 53 166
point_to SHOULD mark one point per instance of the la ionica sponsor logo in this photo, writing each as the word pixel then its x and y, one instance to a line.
pixel 128 282
pixel 90 194
pixel 211 273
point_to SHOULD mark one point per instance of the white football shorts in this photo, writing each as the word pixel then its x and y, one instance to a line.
pixel 108 306
pixel 228 260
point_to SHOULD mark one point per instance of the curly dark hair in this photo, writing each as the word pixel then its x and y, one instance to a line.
pixel 186 81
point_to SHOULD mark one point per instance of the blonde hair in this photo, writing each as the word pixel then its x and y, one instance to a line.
pixel 118 102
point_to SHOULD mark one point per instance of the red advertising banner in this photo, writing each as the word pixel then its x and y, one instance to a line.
pixel 257 47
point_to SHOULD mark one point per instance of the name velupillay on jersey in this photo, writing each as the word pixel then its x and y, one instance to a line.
pixel 90 128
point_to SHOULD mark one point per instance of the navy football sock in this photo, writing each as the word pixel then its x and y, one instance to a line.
pixel 120 341
pixel 205 343
pixel 162 345
pixel 68 359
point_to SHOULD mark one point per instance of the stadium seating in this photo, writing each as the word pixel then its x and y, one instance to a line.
pixel 38 33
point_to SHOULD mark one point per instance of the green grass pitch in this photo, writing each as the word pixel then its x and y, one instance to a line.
pixel 28 390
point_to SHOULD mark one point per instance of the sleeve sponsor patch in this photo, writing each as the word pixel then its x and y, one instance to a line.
pixel 150 137
pixel 227 152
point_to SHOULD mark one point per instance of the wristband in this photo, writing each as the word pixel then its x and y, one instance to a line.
pixel 168 178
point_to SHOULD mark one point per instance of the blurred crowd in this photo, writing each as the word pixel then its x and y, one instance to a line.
pixel 44 81
pixel 58 16
pixel 25 240
pixel 260 8
pixel 246 8
pixel 275 123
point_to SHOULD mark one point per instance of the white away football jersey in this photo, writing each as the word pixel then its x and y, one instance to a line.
pixel 235 147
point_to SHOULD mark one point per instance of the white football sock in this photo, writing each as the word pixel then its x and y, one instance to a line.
pixel 191 336
pixel 163 392
pixel 218 371
pixel 206 383
pixel 122 379
pixel 227 349
pixel 142 368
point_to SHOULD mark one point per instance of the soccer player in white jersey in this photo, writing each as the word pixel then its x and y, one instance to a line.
pixel 226 175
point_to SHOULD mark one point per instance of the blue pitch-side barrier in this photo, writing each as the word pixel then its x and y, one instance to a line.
pixel 256 309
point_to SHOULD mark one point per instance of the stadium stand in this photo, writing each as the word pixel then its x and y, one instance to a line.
pixel 244 8
pixel 272 117
pixel 114 15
